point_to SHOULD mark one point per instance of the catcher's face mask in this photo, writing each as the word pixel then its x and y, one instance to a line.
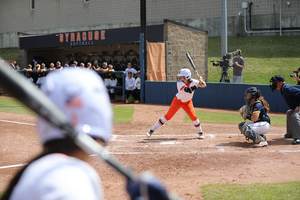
pixel 273 86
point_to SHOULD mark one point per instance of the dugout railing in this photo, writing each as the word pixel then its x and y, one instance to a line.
pixel 120 75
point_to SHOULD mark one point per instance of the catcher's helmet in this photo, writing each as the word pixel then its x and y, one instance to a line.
pixel 77 94
pixel 186 73
pixel 254 94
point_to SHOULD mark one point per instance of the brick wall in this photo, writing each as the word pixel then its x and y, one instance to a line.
pixel 182 40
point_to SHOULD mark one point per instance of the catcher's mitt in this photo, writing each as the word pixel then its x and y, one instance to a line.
pixel 244 111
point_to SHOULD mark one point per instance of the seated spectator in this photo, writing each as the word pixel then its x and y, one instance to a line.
pixel 130 69
pixel 51 68
pixel 58 65
pixel 137 91
pixel 129 85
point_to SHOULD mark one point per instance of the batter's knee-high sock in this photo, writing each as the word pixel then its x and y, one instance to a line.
pixel 160 122
pixel 197 125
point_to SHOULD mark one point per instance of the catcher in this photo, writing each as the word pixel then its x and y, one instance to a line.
pixel 256 110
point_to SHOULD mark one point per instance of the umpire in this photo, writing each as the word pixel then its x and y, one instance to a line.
pixel 291 96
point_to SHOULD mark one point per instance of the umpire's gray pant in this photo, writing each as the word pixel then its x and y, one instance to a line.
pixel 293 123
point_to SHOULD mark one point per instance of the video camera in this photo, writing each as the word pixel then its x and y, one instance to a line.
pixel 296 74
pixel 224 63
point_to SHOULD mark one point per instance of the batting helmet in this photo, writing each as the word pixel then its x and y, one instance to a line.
pixel 77 94
pixel 186 73
pixel 254 94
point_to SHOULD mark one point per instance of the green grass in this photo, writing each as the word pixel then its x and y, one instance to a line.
pixel 9 53
pixel 257 191
pixel 10 105
pixel 264 57
pixel 230 118
pixel 123 114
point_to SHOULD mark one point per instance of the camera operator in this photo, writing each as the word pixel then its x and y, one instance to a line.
pixel 296 76
pixel 238 66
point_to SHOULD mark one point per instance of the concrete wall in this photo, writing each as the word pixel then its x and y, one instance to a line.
pixel 215 95
pixel 74 15
pixel 182 40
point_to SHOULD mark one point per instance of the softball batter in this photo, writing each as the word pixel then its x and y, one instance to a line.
pixel 183 99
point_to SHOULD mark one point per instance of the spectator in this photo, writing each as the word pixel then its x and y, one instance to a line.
pixel 51 68
pixel 238 66
pixel 58 65
pixel 61 170
pixel 95 65
pixel 41 75
pixel 66 66
pixel 130 69
pixel 129 85
pixel 113 82
pixel 137 90
pixel 296 76
pixel 74 64
pixel 37 67
pixel 89 66
pixel 82 65
pixel 291 96
pixel 29 68
pixel 44 66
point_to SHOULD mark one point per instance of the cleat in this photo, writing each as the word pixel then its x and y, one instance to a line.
pixel 149 133
pixel 201 135
pixel 296 141
pixel 261 144
pixel 136 101
pixel 126 100
pixel 263 136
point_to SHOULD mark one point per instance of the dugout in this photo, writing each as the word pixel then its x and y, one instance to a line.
pixel 166 48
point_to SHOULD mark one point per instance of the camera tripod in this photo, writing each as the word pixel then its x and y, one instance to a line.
pixel 224 77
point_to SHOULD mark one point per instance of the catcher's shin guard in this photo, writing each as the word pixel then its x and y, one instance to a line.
pixel 241 125
pixel 251 134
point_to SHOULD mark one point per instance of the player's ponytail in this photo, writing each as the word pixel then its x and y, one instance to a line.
pixel 264 103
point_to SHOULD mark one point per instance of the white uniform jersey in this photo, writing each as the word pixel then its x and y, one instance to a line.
pixel 132 70
pixel 182 95
pixel 129 83
pixel 58 176
pixel 138 83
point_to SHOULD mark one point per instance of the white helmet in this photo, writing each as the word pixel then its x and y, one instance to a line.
pixel 186 73
pixel 82 96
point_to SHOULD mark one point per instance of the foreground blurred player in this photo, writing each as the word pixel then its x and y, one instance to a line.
pixel 61 170
pixel 186 87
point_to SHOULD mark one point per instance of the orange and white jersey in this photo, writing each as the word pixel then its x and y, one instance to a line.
pixel 182 95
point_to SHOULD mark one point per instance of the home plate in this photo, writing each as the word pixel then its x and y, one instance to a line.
pixel 170 142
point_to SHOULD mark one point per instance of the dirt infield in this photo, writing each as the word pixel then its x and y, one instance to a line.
pixel 174 153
